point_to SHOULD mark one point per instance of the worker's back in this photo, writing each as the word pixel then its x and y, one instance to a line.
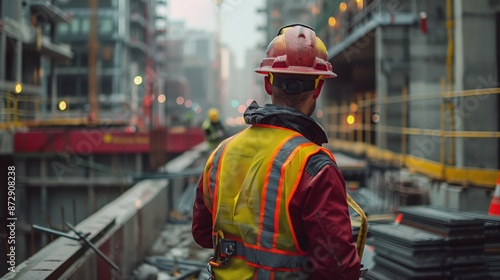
pixel 260 168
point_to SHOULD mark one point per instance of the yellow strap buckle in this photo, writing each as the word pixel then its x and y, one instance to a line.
pixel 223 249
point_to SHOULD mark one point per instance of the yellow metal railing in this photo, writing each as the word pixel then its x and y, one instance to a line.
pixel 356 138
pixel 16 109
pixel 21 110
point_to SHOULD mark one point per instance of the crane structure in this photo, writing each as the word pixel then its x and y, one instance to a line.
pixel 93 116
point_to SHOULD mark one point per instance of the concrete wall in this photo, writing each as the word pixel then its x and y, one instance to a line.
pixel 52 190
pixel 476 68
pixel 131 239
pixel 474 55
pixel 428 67
pixel 391 77
pixel 123 230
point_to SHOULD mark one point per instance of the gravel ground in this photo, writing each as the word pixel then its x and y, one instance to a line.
pixel 173 254
pixel 176 241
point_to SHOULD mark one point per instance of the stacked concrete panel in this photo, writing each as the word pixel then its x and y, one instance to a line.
pixel 434 243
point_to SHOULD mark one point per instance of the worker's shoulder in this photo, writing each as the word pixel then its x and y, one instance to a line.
pixel 318 161
pixel 205 124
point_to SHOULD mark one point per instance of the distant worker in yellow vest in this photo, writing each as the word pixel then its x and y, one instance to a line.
pixel 213 129
pixel 272 201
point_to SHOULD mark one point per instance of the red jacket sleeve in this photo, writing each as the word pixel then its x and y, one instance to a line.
pixel 202 220
pixel 331 251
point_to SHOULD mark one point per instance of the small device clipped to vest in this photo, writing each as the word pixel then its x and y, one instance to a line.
pixel 223 250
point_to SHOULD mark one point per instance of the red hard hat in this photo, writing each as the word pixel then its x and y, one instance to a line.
pixel 296 50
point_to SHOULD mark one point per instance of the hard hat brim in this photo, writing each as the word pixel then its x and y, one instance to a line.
pixel 296 70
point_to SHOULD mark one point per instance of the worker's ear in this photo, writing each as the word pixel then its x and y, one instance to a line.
pixel 267 85
pixel 317 91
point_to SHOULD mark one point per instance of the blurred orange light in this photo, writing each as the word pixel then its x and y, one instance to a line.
pixel 359 4
pixel 353 107
pixel 343 7
pixel 332 21
pixel 188 103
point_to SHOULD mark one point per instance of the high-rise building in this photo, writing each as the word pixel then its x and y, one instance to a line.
pixel 192 85
pixel 121 72
pixel 69 71
pixel 28 53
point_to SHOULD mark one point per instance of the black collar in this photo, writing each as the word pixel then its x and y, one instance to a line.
pixel 287 117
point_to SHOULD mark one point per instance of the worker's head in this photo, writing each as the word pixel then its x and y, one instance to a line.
pixel 295 65
pixel 213 114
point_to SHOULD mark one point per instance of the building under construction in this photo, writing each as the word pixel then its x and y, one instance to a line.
pixel 417 88
pixel 81 106
pixel 412 117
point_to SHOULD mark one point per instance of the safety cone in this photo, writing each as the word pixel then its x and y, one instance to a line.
pixel 495 202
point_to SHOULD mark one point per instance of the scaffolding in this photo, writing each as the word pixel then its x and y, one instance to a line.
pixel 23 110
pixel 356 136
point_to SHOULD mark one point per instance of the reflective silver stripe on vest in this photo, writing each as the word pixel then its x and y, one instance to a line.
pixel 268 259
pixel 273 187
pixel 215 167
pixel 263 274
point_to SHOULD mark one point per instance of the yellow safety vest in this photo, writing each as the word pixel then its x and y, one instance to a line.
pixel 248 183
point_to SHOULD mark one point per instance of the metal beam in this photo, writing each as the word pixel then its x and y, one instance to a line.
pixel 69 182
pixel 52 12
pixel 378 19
pixel 170 175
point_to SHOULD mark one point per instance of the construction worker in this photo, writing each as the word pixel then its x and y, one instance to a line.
pixel 271 200
pixel 213 129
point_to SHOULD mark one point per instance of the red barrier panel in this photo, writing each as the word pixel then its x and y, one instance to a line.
pixel 105 141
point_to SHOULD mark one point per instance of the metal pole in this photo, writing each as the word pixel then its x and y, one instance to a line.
pixel 3 51
pixel 32 242
pixel 74 212
pixel 62 218
pixel 449 62
pixel 84 238
pixel 442 136
pixel 92 69
pixel 404 121
pixel 49 223
pixel 56 232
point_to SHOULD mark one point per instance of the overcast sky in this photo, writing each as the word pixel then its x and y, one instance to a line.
pixel 239 21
